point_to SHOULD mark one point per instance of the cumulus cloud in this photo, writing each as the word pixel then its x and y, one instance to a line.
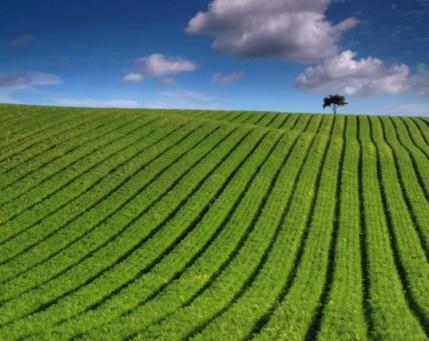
pixel 22 40
pixel 13 82
pixel 289 29
pixel 92 102
pixel 158 66
pixel 133 77
pixel 221 78
pixel 25 80
pixel 347 75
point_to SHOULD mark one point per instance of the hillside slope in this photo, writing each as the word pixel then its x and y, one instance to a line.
pixel 177 224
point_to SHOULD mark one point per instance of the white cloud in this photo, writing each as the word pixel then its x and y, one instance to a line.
pixel 11 83
pixel 221 78
pixel 158 66
pixel 22 40
pixel 133 77
pixel 349 76
pixel 185 99
pixel 92 102
pixel 289 29
pixel 25 80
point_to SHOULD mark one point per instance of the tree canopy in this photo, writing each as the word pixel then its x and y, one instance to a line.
pixel 334 101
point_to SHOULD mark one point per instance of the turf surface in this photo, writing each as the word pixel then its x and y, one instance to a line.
pixel 175 224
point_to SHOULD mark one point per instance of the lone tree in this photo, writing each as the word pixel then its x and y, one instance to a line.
pixel 334 101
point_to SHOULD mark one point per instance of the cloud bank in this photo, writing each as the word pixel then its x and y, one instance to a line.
pixel 25 80
pixel 347 75
pixel 362 77
pixel 289 29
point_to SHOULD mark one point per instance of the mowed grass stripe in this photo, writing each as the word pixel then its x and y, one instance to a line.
pixel 191 314
pixel 13 177
pixel 413 134
pixel 245 118
pixel 319 212
pixel 141 137
pixel 48 142
pixel 15 186
pixel 177 225
pixel 51 184
pixel 71 193
pixel 16 118
pixel 29 163
pixel 177 208
pixel 185 236
pixel 12 114
pixel 242 303
pixel 135 317
pixel 81 215
pixel 21 128
pixel 226 116
pixel 136 227
pixel 413 194
pixel 344 316
pixel 387 307
pixel 214 248
pixel 59 239
pixel 416 155
pixel 423 120
pixel 257 119
pixel 278 121
pixel 410 259
pixel 66 194
pixel 55 182
pixel 139 286
pixel 147 168
pixel 293 123
pixel 34 128
pixel 128 199
pixel 286 122
pixel 336 170
pixel 422 128
pixel 200 238
pixel 267 120
pixel 232 116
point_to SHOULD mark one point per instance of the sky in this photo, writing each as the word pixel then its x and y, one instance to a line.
pixel 268 55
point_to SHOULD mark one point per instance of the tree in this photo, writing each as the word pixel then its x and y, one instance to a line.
pixel 334 101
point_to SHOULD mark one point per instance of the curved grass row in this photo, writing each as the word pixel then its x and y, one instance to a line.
pixel 175 224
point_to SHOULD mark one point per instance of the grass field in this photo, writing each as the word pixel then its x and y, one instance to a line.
pixel 151 224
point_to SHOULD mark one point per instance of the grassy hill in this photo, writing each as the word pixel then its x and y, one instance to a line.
pixel 172 225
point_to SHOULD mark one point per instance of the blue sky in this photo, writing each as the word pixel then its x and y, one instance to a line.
pixel 282 55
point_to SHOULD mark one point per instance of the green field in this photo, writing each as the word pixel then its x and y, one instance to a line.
pixel 168 224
